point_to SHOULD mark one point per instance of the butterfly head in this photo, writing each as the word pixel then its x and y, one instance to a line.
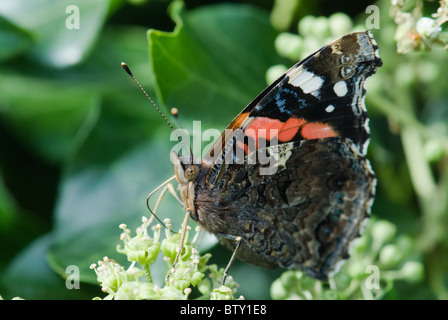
pixel 186 173
pixel 184 170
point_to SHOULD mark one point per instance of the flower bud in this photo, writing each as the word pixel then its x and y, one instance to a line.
pixel 274 72
pixel 289 45
pixel 383 231
pixel 428 28
pixel 339 24
pixel 413 271
pixel 222 293
pixel 390 255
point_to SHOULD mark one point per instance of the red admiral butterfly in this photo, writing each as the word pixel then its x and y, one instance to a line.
pixel 305 213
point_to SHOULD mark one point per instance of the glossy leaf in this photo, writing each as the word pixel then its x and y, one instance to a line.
pixel 64 32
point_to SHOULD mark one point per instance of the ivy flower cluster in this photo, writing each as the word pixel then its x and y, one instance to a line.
pixel 313 33
pixel 192 270
pixel 415 31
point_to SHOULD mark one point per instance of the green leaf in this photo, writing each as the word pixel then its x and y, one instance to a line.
pixel 57 44
pixel 30 277
pixel 8 208
pixel 49 116
pixel 215 61
pixel 13 39
pixel 53 111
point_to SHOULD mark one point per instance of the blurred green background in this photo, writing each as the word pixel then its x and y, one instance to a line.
pixel 81 147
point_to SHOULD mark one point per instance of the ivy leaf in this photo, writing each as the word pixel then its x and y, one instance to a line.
pixel 57 44
pixel 13 39
pixel 214 63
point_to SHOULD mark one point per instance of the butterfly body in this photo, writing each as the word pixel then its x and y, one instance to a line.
pixel 303 208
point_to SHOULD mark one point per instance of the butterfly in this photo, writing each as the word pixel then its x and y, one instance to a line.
pixel 288 183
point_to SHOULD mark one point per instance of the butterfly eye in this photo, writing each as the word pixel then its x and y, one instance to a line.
pixel 191 172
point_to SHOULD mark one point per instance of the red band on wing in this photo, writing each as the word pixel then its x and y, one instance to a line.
pixel 284 130
pixel 260 128
pixel 290 129
pixel 317 130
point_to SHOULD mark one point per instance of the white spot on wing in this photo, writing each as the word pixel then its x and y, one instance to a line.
pixel 330 108
pixel 340 88
pixel 305 80
pixel 313 85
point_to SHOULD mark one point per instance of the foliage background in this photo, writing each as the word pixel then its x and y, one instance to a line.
pixel 80 147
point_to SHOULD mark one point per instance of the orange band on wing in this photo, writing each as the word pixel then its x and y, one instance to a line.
pixel 290 129
pixel 260 128
pixel 266 125
pixel 317 130
pixel 285 130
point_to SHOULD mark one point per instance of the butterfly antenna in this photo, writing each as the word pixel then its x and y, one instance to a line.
pixel 149 207
pixel 175 113
pixel 128 71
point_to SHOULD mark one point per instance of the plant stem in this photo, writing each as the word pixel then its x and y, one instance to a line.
pixel 148 275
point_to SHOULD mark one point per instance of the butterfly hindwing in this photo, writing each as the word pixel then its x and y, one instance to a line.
pixel 306 214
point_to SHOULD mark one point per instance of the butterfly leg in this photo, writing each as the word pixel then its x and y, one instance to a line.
pixel 169 187
pixel 181 244
pixel 237 239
